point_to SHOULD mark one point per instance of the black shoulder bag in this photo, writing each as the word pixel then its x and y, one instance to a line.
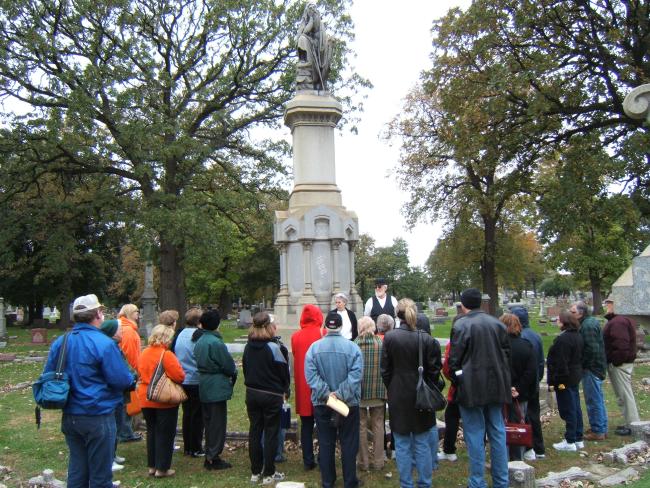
pixel 427 399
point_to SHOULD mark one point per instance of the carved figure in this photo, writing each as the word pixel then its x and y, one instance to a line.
pixel 314 51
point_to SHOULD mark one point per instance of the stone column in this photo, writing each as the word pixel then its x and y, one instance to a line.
pixel 148 303
pixel 356 302
pixel 336 282
pixel 308 293
pixel 3 321
pixel 283 296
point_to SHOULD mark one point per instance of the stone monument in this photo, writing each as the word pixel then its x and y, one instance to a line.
pixel 148 302
pixel 316 236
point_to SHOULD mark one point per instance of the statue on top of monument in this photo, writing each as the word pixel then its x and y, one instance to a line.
pixel 314 51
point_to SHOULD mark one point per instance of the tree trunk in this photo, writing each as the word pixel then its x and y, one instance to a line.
pixel 225 303
pixel 488 263
pixel 64 310
pixel 595 281
pixel 172 278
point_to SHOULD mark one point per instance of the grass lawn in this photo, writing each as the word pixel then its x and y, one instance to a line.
pixel 27 451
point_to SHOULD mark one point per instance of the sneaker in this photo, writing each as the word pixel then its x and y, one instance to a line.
pixel 116 467
pixel 197 454
pixel 269 480
pixel 580 444
pixel 443 456
pixel 565 446
pixel 530 455
pixel 540 456
pixel 622 430
pixel 256 478
pixel 119 459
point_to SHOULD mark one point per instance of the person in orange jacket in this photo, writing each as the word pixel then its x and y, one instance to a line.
pixel 161 418
pixel 130 346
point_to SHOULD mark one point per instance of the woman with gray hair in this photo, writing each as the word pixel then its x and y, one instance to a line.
pixel 385 323
pixel 349 330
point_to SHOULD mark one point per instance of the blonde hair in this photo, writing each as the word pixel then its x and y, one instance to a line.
pixel 161 335
pixel 262 328
pixel 168 317
pixel 365 326
pixel 407 311
pixel 127 310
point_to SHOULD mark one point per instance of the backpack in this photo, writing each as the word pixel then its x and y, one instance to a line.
pixel 52 388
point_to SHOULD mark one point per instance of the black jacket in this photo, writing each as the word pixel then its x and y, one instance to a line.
pixel 523 367
pixel 564 359
pixel 353 321
pixel 479 360
pixel 266 366
pixel 399 371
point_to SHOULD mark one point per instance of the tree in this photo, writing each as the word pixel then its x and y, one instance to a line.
pixel 390 262
pixel 162 95
pixel 588 230
pixel 556 286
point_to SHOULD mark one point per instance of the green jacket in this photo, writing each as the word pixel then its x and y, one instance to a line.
pixel 217 370
pixel 593 351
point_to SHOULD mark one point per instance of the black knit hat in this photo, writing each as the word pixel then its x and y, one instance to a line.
pixel 471 298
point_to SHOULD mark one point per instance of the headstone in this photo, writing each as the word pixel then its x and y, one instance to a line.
pixel 623 477
pixel 39 336
pixel 46 480
pixel 640 429
pixel 521 475
pixel 553 479
pixel 485 303
pixel 458 306
pixel 553 311
pixel 620 455
pixel 245 319
pixel 441 312
pixel 3 322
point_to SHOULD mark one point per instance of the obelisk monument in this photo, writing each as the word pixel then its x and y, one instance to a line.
pixel 316 236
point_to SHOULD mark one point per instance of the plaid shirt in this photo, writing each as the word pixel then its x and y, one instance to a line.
pixel 593 352
pixel 372 386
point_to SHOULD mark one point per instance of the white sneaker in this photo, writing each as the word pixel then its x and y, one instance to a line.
pixel 269 480
pixel 256 478
pixel 565 446
pixel 119 459
pixel 530 455
pixel 442 456
pixel 580 445
pixel 116 467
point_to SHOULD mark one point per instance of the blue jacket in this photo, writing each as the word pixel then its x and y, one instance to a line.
pixel 98 374
pixel 334 364
pixel 533 337
pixel 184 350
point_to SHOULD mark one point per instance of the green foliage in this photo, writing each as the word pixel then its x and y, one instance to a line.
pixel 557 285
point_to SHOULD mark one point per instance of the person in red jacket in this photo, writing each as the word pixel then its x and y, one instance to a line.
pixel 130 346
pixel 619 336
pixel 311 321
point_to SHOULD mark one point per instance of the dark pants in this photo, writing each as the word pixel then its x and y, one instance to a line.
pixel 91 441
pixel 348 434
pixel 124 424
pixel 568 404
pixel 192 420
pixel 264 415
pixel 452 422
pixel 533 418
pixel 307 440
pixel 161 430
pixel 215 419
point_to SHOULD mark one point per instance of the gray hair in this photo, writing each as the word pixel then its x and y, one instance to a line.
pixel 582 308
pixel 341 296
pixel 385 323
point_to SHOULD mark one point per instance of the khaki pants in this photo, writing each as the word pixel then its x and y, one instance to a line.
pixel 376 415
pixel 621 378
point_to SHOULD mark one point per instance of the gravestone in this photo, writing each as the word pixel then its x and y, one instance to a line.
pixel 441 312
pixel 148 302
pixel 245 319
pixel 316 235
pixel 631 291
pixel 3 322
pixel 39 335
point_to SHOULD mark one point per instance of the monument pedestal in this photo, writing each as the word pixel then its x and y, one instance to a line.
pixel 317 234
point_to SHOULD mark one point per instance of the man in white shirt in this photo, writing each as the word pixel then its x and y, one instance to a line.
pixel 381 302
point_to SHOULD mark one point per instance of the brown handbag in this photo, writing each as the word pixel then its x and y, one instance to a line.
pixel 517 433
pixel 161 389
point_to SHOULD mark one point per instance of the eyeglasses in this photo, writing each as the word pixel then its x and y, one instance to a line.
pixel 573 311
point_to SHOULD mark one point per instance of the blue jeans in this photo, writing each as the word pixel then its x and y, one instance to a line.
pixel 91 441
pixel 413 449
pixel 477 421
pixel 348 434
pixel 307 440
pixel 433 444
pixel 592 387
pixel 123 421
pixel 568 405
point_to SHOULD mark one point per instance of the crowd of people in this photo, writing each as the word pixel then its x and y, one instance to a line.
pixel 349 375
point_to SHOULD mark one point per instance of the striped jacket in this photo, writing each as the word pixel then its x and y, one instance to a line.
pixel 372 386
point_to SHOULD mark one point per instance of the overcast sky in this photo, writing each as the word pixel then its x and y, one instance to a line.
pixel 393 43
